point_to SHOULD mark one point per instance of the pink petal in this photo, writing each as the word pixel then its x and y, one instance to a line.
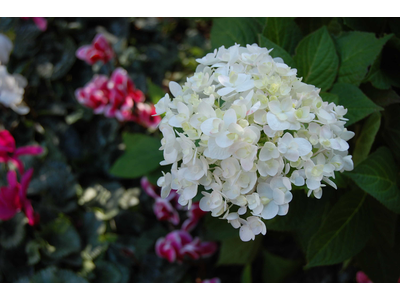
pixel 28 150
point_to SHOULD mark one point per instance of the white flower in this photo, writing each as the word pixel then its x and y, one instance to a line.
pixel 226 130
pixel 12 91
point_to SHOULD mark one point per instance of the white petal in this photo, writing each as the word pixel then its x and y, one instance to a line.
pixel 270 211
pixel 246 234
pixel 175 88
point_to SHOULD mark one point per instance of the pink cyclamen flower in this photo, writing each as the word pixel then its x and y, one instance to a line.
pixel 13 198
pixel 178 244
pixel 94 94
pixel 41 23
pixel 212 280
pixel 194 216
pixel 9 152
pixel 99 50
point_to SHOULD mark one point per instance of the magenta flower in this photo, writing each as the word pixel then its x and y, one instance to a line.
pixel 13 198
pixel 178 244
pixel 9 198
pixel 9 152
pixel 99 50
pixel 41 23
pixel 194 216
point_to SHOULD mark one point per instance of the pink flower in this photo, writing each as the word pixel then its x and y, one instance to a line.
pixel 194 214
pixel 179 243
pixel 9 152
pixel 164 211
pixel 99 50
pixel 212 280
pixel 94 94
pixel 13 198
pixel 144 115
pixel 41 23
pixel 162 208
pixel 361 277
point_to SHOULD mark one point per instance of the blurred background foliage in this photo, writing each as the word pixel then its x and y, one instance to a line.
pixel 97 225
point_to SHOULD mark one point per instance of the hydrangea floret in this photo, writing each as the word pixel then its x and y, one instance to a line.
pixel 245 130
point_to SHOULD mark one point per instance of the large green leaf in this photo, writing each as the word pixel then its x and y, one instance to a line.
pixel 277 50
pixel 316 59
pixel 142 155
pixel 276 268
pixel 377 176
pixel 357 51
pixel 344 232
pixel 358 104
pixel 228 31
pixel 284 32
pixel 366 138
pixel 377 76
pixel 235 252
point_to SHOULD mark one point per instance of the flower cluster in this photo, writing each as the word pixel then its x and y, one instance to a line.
pixel 246 129
pixel 99 50
pixel 117 97
pixel 13 198
pixel 11 86
pixel 177 243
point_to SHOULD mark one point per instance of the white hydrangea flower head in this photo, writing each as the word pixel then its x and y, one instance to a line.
pixel 244 130
pixel 12 88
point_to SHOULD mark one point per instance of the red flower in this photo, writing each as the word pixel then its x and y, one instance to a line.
pixel 99 50
pixel 13 198
pixel 9 152
pixel 145 115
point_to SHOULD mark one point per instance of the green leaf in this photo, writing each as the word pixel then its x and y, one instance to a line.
pixel 63 238
pixel 377 76
pixel 344 232
pixel 366 24
pixel 358 104
pixel 246 274
pixel 155 92
pixel 391 132
pixel 107 272
pixel 32 251
pixel 54 275
pixel 142 155
pixel 12 232
pixel 284 32
pixel 228 31
pixel 377 176
pixel 316 59
pixel 236 252
pixel 224 231
pixel 366 138
pixel 357 51
pixel 276 269
pixel 328 97
pixel 382 98
pixel 277 51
